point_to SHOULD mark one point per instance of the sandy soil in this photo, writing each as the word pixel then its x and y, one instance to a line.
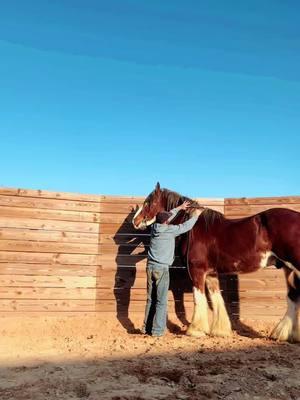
pixel 90 358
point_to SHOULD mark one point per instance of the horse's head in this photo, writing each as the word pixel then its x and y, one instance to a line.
pixel 146 214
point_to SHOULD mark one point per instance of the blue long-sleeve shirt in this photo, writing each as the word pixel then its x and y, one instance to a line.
pixel 162 243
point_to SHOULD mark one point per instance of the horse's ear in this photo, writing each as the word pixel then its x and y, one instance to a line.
pixel 157 187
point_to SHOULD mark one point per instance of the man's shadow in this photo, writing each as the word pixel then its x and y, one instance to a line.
pixel 131 243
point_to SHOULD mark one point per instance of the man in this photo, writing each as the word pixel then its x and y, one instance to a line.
pixel 160 257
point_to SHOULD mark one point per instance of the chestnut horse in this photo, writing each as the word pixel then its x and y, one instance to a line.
pixel 219 245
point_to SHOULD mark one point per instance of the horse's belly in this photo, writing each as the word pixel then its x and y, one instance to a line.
pixel 246 264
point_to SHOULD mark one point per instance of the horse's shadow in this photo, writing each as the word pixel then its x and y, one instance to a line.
pixel 229 285
pixel 133 247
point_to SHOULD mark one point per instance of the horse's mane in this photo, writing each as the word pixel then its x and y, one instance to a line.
pixel 211 216
pixel 173 200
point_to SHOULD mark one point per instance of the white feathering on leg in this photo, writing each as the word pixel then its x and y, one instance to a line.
pixel 199 325
pixel 221 325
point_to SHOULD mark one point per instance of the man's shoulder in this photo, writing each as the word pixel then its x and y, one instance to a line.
pixel 159 227
pixel 163 228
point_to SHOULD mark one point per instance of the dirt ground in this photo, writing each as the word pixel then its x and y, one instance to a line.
pixel 88 357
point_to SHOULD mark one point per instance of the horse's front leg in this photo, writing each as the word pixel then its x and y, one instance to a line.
pixel 221 325
pixel 199 325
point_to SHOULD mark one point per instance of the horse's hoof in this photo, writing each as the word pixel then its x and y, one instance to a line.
pixel 221 333
pixel 194 333
pixel 197 331
pixel 283 331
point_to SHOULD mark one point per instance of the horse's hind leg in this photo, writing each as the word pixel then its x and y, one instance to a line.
pixel 221 325
pixel 288 329
pixel 199 325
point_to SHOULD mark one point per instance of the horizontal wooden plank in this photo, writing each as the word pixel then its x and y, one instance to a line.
pixel 49 247
pixel 120 207
pixel 51 204
pixel 14 269
pixel 45 293
pixel 136 278
pixel 120 199
pixel 251 297
pixel 50 236
pixel 122 296
pixel 123 239
pixel 66 226
pixel 247 210
pixel 49 305
pixel 47 258
pixel 73 292
pixel 54 281
pixel 120 228
pixel 251 209
pixel 116 218
pixel 67 305
pixel 137 249
pixel 40 213
pixel 125 277
pixel 268 273
pixel 264 312
pixel 265 201
pixel 50 195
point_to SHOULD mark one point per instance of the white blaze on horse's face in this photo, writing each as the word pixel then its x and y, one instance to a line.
pixel 144 222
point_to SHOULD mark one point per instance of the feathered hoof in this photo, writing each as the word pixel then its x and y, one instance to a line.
pixel 282 331
pixel 197 330
pixel 195 333
pixel 221 332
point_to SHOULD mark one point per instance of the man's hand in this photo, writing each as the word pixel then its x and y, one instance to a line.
pixel 185 205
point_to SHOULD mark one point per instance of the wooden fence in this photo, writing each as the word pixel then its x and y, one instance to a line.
pixel 63 253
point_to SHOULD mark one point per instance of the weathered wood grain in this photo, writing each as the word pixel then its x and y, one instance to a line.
pixel 49 225
pixel 41 213
pixel 51 204
pixel 38 235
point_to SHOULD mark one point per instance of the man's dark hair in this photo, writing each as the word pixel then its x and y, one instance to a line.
pixel 163 216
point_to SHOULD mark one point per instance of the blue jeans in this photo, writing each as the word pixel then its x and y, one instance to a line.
pixel 158 280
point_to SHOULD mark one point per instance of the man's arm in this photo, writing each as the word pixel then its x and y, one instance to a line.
pixel 175 211
pixel 186 226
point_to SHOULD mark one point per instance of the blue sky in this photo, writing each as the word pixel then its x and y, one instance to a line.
pixel 111 97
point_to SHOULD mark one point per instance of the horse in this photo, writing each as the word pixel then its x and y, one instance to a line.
pixel 217 245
